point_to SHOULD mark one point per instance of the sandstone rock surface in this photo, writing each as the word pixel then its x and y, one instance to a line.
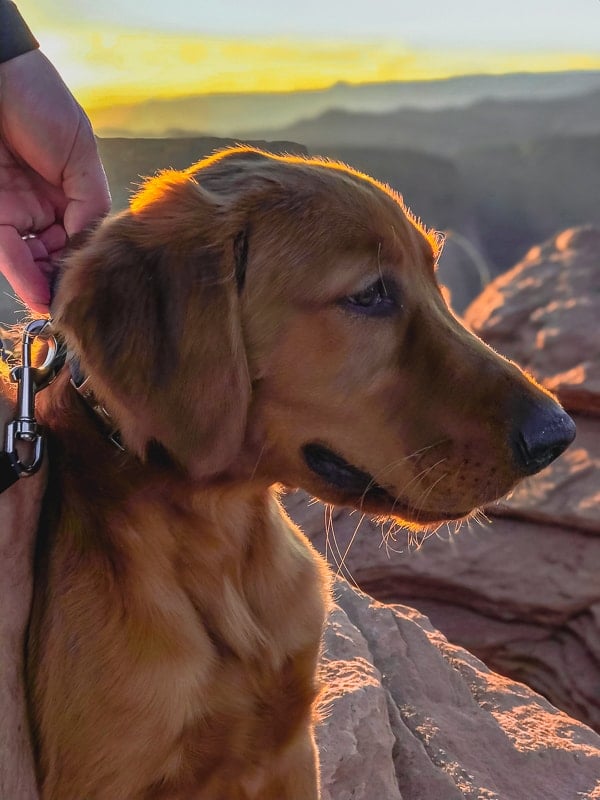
pixel 522 596
pixel 545 313
pixel 567 493
pixel 411 717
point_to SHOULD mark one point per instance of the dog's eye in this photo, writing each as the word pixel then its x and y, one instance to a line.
pixel 376 300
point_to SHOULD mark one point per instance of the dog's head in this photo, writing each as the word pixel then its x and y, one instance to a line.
pixel 278 319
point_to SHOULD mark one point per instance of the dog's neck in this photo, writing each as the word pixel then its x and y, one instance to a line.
pixel 103 479
pixel 149 522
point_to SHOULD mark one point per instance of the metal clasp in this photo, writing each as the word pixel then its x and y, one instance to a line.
pixel 30 380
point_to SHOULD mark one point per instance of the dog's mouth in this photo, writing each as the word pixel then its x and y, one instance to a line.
pixel 342 475
pixel 360 488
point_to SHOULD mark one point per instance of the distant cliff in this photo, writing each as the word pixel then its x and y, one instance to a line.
pixel 233 114
pixel 447 131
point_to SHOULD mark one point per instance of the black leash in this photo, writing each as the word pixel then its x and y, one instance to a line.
pixel 23 433
pixel 8 473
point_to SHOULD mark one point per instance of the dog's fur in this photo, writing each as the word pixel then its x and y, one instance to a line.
pixel 177 616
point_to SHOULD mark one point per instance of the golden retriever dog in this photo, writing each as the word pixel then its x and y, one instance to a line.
pixel 253 320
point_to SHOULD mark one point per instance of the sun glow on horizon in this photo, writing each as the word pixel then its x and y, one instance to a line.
pixel 105 66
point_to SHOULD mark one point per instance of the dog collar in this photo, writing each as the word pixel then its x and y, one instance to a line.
pixel 82 385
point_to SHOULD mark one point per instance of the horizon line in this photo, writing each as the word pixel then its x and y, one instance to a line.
pixel 135 99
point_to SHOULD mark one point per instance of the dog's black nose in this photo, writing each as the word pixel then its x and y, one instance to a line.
pixel 545 433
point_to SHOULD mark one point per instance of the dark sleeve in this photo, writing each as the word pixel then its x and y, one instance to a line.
pixel 15 36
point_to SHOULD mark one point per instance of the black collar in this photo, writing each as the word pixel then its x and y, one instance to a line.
pixel 82 385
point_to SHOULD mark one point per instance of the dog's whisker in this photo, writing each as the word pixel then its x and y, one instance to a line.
pixel 425 534
pixel 480 518
pixel 258 460
pixel 426 494
pixel 412 534
pixel 347 550
pixel 423 474
pixel 326 529
pixel 376 478
pixel 390 534
pixel 334 548
pixel 416 478
pixel 329 552
pixel 334 553
pixel 393 464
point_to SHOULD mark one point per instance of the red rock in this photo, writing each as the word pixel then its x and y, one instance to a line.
pixel 544 314
pixel 568 491
pixel 522 596
pixel 448 728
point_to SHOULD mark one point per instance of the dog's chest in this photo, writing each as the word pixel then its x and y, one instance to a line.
pixel 180 664
pixel 254 625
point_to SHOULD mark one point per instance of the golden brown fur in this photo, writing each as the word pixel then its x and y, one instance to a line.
pixel 178 612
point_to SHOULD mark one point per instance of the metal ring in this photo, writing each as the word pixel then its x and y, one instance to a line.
pixel 38 328
pixel 51 354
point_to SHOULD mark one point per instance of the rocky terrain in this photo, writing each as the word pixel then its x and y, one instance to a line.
pixel 409 716
pixel 545 314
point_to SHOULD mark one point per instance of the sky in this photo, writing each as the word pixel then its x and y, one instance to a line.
pixel 127 50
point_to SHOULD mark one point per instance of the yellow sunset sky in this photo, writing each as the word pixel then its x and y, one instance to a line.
pixel 125 50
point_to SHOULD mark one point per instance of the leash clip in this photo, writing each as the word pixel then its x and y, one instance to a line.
pixel 30 380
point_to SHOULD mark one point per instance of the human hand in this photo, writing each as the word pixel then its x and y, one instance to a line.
pixel 52 183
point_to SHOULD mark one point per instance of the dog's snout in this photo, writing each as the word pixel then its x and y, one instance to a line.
pixel 541 437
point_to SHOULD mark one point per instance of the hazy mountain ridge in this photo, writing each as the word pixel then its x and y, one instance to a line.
pixel 231 114
pixel 485 123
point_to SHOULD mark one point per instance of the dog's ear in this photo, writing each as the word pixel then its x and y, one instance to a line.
pixel 150 305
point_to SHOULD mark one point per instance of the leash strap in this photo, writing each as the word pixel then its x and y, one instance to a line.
pixel 8 473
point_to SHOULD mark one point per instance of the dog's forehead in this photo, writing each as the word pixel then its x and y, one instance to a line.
pixel 316 210
pixel 356 215
pixel 247 171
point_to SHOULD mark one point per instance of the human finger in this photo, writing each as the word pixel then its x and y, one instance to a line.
pixel 53 238
pixel 17 264
pixel 84 184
